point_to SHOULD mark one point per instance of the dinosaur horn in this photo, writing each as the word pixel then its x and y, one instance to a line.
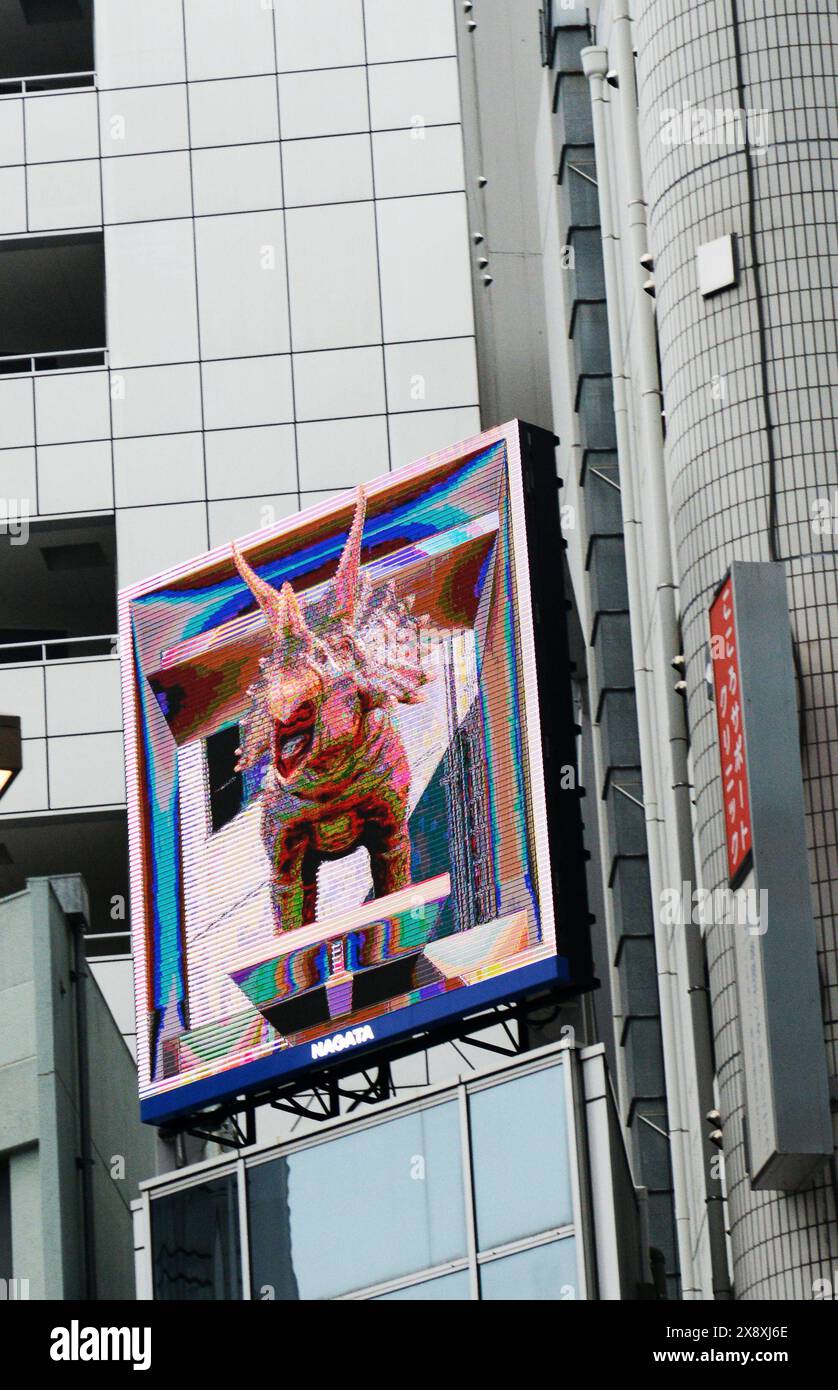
pixel 348 570
pixel 279 606
pixel 293 622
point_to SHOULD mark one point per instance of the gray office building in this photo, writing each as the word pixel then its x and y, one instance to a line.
pixel 251 255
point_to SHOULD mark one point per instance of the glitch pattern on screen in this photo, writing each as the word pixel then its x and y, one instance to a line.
pixel 336 795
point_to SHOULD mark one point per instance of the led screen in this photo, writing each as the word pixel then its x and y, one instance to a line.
pixel 338 793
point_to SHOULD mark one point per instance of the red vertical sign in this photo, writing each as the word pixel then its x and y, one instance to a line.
pixel 728 694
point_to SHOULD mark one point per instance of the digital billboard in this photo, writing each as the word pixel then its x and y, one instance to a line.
pixel 353 810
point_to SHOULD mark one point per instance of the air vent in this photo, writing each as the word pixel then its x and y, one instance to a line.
pixel 50 11
pixel 85 555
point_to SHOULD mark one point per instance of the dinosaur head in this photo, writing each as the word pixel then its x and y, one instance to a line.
pixel 312 702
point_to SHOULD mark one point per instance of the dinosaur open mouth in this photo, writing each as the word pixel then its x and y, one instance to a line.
pixel 293 742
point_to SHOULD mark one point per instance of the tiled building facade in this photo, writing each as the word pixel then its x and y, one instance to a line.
pixel 749 390
pixel 247 222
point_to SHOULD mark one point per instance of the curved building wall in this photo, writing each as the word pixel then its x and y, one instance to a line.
pixel 751 363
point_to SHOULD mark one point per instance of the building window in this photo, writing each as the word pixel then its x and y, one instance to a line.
pixel 443 1202
pixel 195 1243
pixel 52 298
pixel 42 39
pixel 389 1199
pixel 521 1162
pixel 229 791
pixel 62 583
pixel 226 786
pixel 542 1274
pixel 5 1220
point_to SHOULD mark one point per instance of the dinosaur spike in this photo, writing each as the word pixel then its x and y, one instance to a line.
pixel 265 594
pixel 280 607
pixel 293 622
pixel 346 578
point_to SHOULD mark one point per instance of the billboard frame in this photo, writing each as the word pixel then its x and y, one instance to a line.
pixel 552 754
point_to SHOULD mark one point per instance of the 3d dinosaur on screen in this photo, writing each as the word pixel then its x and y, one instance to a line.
pixel 338 775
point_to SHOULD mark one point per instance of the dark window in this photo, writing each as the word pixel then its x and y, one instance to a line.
pixel 226 786
pixel 62 584
pixel 195 1243
pixel 52 300
pixel 5 1220
pixel 39 37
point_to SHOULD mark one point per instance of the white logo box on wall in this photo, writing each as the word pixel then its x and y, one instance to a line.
pixel 344 827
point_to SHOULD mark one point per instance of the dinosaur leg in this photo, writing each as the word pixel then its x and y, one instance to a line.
pixel 288 890
pixel 391 867
pixel 309 875
pixel 388 843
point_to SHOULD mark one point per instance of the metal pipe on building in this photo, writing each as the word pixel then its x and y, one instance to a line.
pixel 595 64
pixel 81 975
pixel 669 638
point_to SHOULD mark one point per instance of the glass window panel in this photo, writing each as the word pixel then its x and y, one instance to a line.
pixel 453 1288
pixel 358 1210
pixel 546 1273
pixel 195 1243
pixel 520 1158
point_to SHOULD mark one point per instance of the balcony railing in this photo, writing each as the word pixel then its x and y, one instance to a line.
pixel 45 82
pixel 58 649
pixel 68 360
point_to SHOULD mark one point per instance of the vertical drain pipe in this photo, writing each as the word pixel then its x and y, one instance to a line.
pixel 81 969
pixel 670 640
pixel 595 66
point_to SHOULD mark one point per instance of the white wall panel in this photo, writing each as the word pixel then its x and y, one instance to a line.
pixel 17 477
pixel 334 279
pixel 138 43
pixel 61 126
pixel 418 161
pixel 83 697
pixel 403 29
pixel 334 169
pixel 151 294
pixel 143 120
pixel 22 693
pixel 413 436
pixel 159 468
pixel 430 375
pixel 237 178
pixel 255 391
pixel 251 462
pixel 242 286
pixel 228 38
pixel 323 103
pixel 425 269
pixel 346 382
pixel 235 112
pixel 411 94
pixel 75 477
pixel 150 539
pixel 340 453
pixel 64 195
pixel 238 517
pixel 318 36
pixel 17 413
pixel 72 406
pixel 86 770
pixel 11 131
pixel 12 201
pixel 156 400
pixel 28 792
pixel 145 187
